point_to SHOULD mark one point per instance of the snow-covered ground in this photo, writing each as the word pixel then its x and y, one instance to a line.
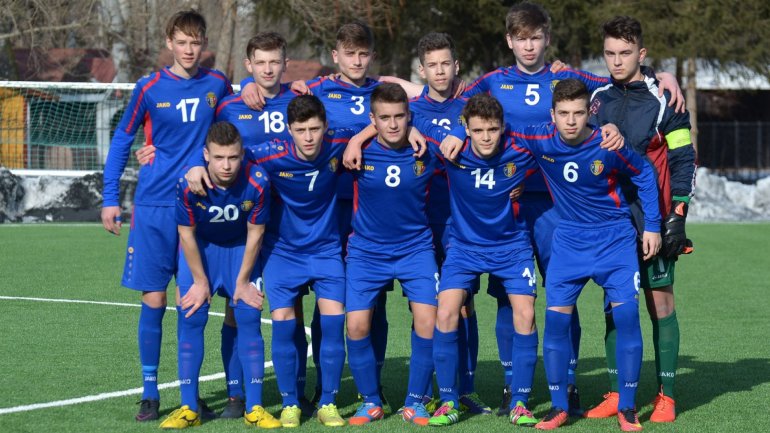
pixel 49 198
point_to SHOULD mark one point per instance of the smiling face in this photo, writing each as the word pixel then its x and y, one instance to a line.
pixel 308 136
pixel 391 120
pixel 187 51
pixel 439 69
pixel 266 67
pixel 485 135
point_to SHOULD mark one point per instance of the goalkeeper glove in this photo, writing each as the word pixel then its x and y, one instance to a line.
pixel 675 240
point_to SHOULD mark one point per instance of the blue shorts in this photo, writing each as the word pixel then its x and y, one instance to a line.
pixel 286 275
pixel 221 264
pixel 440 244
pixel 604 252
pixel 151 255
pixel 542 219
pixel 514 267
pixel 368 272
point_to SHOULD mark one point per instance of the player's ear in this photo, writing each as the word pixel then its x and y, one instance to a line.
pixel 553 117
pixel 371 118
pixel 421 70
pixel 457 67
pixel 206 153
pixel 247 64
pixel 509 40
pixel 169 44
pixel 335 56
pixel 642 54
pixel 205 44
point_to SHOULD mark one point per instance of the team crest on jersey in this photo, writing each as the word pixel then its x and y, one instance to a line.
pixel 247 205
pixel 597 167
pixel 419 168
pixel 211 99
pixel 595 105
pixel 553 84
pixel 330 132
pixel 509 170
pixel 333 164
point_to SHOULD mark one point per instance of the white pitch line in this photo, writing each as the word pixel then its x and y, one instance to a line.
pixel 115 394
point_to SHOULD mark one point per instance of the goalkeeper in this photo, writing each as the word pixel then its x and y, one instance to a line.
pixel 656 131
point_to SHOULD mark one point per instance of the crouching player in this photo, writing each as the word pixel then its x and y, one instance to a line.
pixel 595 239
pixel 487 235
pixel 391 239
pixel 220 236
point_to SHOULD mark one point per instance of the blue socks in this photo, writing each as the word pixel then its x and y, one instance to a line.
pixel 575 331
pixel 468 350
pixel 420 369
pixel 300 342
pixel 523 362
pixel 149 337
pixel 230 361
pixel 190 355
pixel 445 358
pixel 362 364
pixel 504 333
pixel 332 356
pixel 285 360
pixel 556 356
pixel 628 352
pixel 251 351
pixel 379 332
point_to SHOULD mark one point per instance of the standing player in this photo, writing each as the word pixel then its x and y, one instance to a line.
pixel 176 107
pixel 304 248
pixel 346 99
pixel 438 104
pixel 220 235
pixel 487 236
pixel 594 229
pixel 266 62
pixel 385 246
pixel 655 131
pixel 525 90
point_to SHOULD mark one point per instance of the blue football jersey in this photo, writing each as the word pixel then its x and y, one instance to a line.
pixel 347 106
pixel 445 114
pixel 221 215
pixel 176 114
pixel 583 179
pixel 258 126
pixel 526 98
pixel 304 215
pixel 390 195
pixel 483 216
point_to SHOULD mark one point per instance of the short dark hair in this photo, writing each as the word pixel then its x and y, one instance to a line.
pixel 305 107
pixel 569 90
pixel 624 28
pixel 434 41
pixel 266 41
pixel 525 18
pixel 223 133
pixel 390 93
pixel 189 22
pixel 355 35
pixel 484 106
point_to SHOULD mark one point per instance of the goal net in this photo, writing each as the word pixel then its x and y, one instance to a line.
pixel 60 127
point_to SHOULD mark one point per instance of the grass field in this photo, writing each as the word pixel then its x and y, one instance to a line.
pixel 54 351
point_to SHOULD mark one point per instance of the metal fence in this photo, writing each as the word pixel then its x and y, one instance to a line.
pixel 737 150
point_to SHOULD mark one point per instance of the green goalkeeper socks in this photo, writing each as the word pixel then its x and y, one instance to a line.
pixel 665 338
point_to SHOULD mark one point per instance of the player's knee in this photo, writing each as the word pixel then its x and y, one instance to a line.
pixel 154 299
pixel 447 318
pixel 196 321
pixel 358 329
